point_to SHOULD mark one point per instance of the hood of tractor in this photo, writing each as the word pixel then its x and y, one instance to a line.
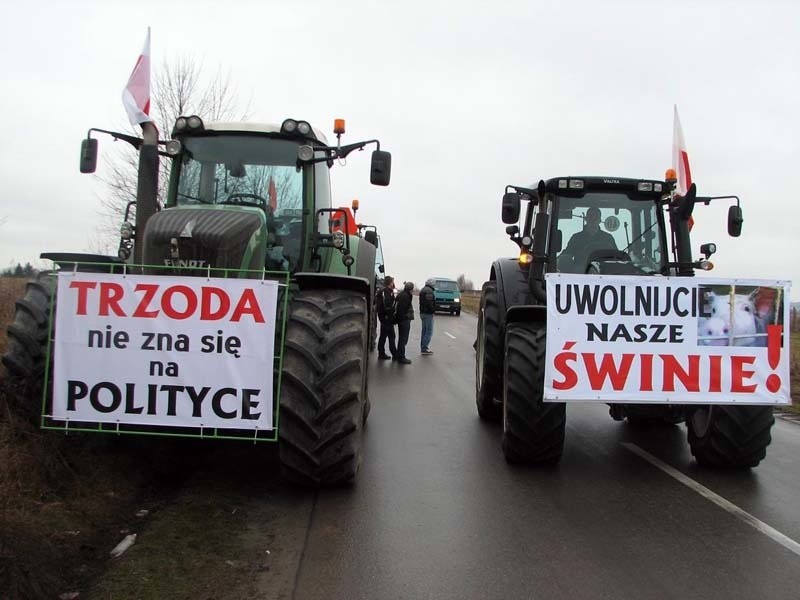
pixel 206 237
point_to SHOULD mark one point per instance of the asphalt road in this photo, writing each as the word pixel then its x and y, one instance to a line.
pixel 437 513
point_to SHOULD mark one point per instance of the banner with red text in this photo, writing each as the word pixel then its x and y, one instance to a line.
pixel 166 351
pixel 667 339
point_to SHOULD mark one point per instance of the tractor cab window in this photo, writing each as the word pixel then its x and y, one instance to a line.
pixel 252 172
pixel 607 226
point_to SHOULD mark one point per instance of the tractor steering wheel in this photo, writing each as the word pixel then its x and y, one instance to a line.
pixel 239 198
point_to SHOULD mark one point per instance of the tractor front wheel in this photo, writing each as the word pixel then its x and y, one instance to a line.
pixel 488 356
pixel 322 405
pixel 533 430
pixel 730 436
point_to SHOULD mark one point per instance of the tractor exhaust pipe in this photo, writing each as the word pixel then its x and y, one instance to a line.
pixel 147 187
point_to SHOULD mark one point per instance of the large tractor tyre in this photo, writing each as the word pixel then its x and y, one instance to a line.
pixel 489 357
pixel 26 350
pixel 533 430
pixel 322 407
pixel 730 436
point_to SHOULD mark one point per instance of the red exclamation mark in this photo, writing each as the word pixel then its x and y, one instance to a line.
pixel 774 333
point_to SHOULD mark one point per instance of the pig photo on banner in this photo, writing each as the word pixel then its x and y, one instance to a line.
pixel 738 315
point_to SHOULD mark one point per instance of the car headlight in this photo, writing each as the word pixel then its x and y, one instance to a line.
pixel 456 299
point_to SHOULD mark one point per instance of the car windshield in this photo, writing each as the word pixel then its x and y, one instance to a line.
pixel 242 170
pixel 446 286
pixel 609 226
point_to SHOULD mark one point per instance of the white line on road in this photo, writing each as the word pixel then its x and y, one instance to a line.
pixel 743 515
pixel 450 335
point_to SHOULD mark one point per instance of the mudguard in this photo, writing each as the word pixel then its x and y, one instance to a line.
pixel 514 294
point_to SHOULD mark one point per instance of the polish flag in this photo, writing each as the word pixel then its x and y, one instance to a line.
pixel 680 159
pixel 136 95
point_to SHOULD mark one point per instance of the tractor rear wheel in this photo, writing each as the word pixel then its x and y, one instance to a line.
pixel 322 406
pixel 730 436
pixel 26 352
pixel 533 430
pixel 488 357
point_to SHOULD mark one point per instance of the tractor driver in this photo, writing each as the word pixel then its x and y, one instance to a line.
pixel 575 257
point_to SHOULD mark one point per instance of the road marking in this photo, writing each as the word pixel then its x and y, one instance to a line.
pixel 743 515
pixel 450 335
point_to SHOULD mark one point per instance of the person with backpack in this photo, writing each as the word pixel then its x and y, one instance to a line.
pixel 385 306
pixel 404 311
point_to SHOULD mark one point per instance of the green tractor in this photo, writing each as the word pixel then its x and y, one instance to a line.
pixel 254 199
pixel 644 221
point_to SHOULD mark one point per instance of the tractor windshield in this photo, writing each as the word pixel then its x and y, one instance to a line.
pixel 608 226
pixel 251 171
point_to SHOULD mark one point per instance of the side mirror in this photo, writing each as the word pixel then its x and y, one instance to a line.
pixel 735 221
pixel 511 207
pixel 381 168
pixel 371 237
pixel 88 155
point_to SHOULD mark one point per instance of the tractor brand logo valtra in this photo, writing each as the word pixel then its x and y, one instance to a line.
pixel 184 262
pixel 610 180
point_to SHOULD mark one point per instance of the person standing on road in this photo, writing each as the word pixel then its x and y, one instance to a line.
pixel 386 316
pixel 427 306
pixel 404 311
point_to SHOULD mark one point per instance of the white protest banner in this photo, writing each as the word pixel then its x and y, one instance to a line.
pixel 166 351
pixel 667 339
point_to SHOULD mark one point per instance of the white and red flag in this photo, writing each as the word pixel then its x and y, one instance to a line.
pixel 680 159
pixel 680 156
pixel 136 95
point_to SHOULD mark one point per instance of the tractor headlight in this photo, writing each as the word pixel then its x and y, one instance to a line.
pixel 338 240
pixel 305 152
pixel 194 122
pixel 303 127
pixel 181 124
pixel 174 147
pixel 348 260
pixel 126 231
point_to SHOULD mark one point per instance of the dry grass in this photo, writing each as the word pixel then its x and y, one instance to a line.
pixel 470 302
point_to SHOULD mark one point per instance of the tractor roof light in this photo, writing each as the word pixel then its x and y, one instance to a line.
pixel 289 126
pixel 338 126
pixel 354 204
pixel 645 186
pixel 181 124
pixel 303 127
pixel 195 123
pixel 576 184
pixel 174 147
pixel 671 176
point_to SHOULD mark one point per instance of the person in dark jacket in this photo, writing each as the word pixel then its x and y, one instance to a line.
pixel 404 311
pixel 427 306
pixel 386 316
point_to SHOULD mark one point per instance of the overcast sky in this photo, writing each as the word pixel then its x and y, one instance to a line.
pixel 468 96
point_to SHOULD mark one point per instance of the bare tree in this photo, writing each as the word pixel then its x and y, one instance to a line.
pixel 464 284
pixel 180 86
